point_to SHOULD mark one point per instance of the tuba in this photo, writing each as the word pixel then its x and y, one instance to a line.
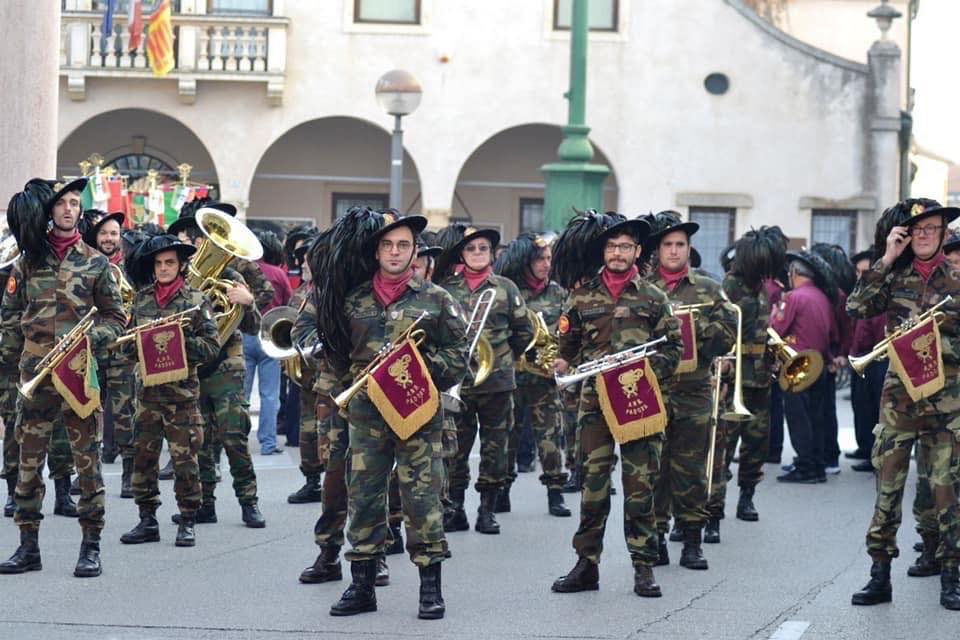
pixel 540 354
pixel 226 238
pixel 797 370
pixel 859 365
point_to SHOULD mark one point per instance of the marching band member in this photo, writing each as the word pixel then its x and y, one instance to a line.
pixel 66 279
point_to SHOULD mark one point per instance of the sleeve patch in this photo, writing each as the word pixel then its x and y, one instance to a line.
pixel 563 325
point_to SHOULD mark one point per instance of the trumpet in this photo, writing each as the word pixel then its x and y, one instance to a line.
pixel 183 317
pixel 691 308
pixel 56 355
pixel 544 345
pixel 607 363
pixel 478 343
pixel 410 333
pixel 859 365
pixel 797 370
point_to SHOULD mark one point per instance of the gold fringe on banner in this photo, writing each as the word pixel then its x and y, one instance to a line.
pixel 405 427
pixel 641 427
pixel 930 387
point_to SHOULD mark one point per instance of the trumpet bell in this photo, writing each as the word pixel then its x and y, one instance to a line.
pixel 484 360
pixel 275 333
pixel 798 373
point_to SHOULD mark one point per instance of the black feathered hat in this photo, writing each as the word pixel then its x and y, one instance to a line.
pixel 920 211
pixel 904 213
pixel 90 236
pixel 844 275
pixel 142 263
pixel 514 261
pixel 394 220
pixel 668 222
pixel 822 274
pixel 638 229
pixel 61 190
pixel 575 257
pixel 453 239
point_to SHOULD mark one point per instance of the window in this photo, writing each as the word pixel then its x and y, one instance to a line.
pixel 531 215
pixel 136 166
pixel 240 7
pixel 602 15
pixel 834 226
pixel 388 11
pixel 343 201
pixel 715 234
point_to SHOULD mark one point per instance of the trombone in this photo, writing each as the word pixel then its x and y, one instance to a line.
pixel 798 371
pixel 714 421
pixel 478 343
pixel 859 365
pixel 608 363
pixel 56 355
pixel 739 411
pixel 183 317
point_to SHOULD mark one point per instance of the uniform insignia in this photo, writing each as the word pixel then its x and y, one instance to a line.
pixel 916 210
pixel 621 312
pixel 563 325
pixel 11 285
pixel 396 315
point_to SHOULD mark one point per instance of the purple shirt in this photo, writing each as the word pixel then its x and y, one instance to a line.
pixel 805 319
pixel 867 333
pixel 282 292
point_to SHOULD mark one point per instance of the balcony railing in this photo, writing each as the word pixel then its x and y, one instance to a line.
pixel 206 47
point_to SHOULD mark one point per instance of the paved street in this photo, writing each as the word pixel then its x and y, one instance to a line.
pixel 792 573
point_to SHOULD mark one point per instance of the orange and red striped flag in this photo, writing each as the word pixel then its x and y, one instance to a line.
pixel 160 40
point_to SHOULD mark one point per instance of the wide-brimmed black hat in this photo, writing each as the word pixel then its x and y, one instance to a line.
pixel 159 244
pixel 423 251
pixel 188 218
pixel 472 233
pixel 866 254
pixel 952 242
pixel 635 227
pixel 394 220
pixel 60 190
pixel 823 277
pixel 90 237
pixel 689 228
pixel 918 213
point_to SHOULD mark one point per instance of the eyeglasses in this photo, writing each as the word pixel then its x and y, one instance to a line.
pixel 929 230
pixel 477 248
pixel 403 245
pixel 622 247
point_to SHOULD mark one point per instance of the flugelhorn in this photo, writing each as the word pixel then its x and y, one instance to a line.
pixel 880 350
pixel 479 345
pixel 608 362
pixel 797 370
pixel 56 355
pixel 739 411
pixel 183 317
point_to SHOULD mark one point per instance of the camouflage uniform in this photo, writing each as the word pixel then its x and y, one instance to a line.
pixel 374 447
pixel 170 410
pixel 570 405
pixel 491 404
pixel 754 433
pixel 539 394
pixel 681 488
pixel 310 464
pixel 39 308
pixel 932 422
pixel 224 407
pixel 598 326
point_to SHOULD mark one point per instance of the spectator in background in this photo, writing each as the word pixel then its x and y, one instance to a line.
pixel 264 367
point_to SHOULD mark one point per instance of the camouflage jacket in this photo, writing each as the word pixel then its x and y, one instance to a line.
pixel 550 304
pixel 230 357
pixel 716 325
pixel 251 274
pixel 508 328
pixel 200 337
pixel 902 293
pixel 593 325
pixel 299 302
pixel 754 306
pixel 444 348
pixel 42 307
pixel 325 382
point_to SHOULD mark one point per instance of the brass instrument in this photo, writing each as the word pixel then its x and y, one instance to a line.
pixel 691 308
pixel 714 421
pixel 276 340
pixel 740 411
pixel 59 351
pixel 183 317
pixel 797 370
pixel 226 238
pixel 479 345
pixel 127 292
pixel 859 365
pixel 545 348
pixel 608 362
pixel 9 249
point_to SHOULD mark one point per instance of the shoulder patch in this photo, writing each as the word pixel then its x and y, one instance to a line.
pixel 11 285
pixel 563 325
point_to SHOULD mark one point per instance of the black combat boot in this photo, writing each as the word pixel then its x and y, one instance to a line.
pixel 927 564
pixel 75 486
pixel 109 454
pixel 585 576
pixel 326 568
pixel 950 588
pixel 573 484
pixel 383 573
pixel 676 534
pixel 745 509
pixel 396 546
pixel 454 517
pixel 27 556
pixel 643 583
pixel 663 557
pixel 11 505
pixel 88 564
pixel 879 588
pixel 486 521
pixel 206 514
pixel 186 536
pixel 252 516
pixel 692 555
pixel 431 599
pixel 502 503
pixel 711 532
pixel 64 504
pixel 147 530
pixel 311 491
pixel 126 478
pixel 555 504
pixel 360 596
pixel 167 472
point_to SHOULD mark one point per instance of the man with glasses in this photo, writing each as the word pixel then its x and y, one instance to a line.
pixel 613 311
pixel 466 272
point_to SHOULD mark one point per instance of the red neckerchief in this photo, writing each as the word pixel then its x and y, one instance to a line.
pixel 673 279
pixel 388 290
pixel 926 267
pixel 61 245
pixel 116 258
pixel 476 278
pixel 617 282
pixel 535 285
pixel 165 292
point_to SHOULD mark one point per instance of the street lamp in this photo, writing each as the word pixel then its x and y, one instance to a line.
pixel 399 93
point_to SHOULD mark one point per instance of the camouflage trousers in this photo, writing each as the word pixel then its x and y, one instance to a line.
pixel 309 434
pixel 924 508
pixel 59 457
pixel 490 415
pixel 938 439
pixel 754 438
pixel 570 406
pixel 334 443
pixel 118 410
pixel 641 465
pixel 226 423
pixel 681 488
pixel 540 399
pixel 182 426
pixel 373 450
pixel 39 419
